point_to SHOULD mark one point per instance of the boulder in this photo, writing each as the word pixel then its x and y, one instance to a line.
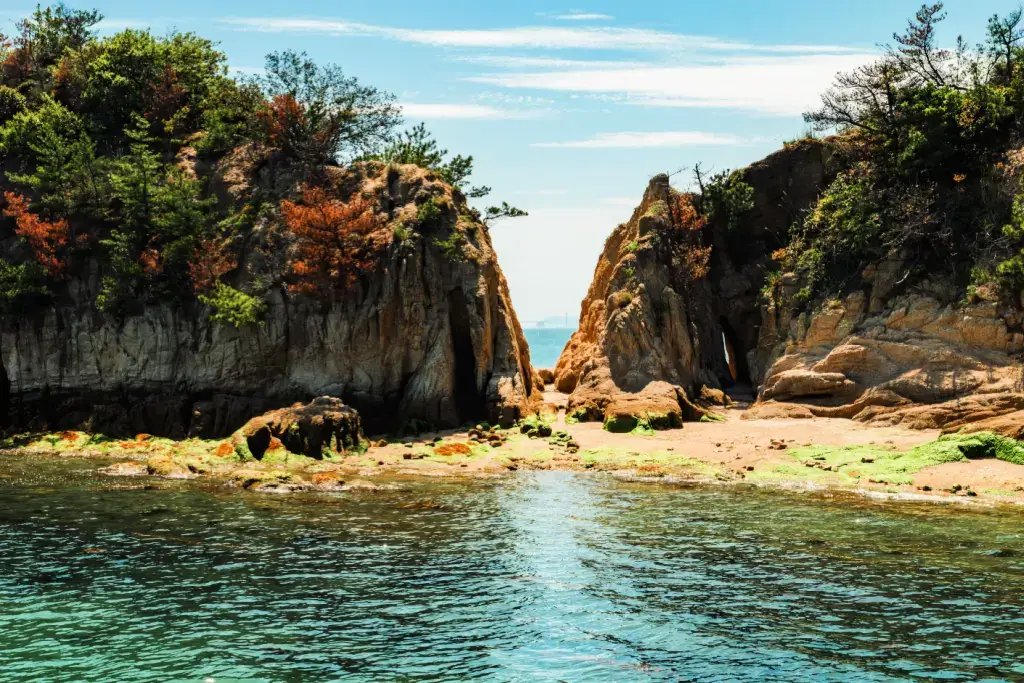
pixel 913 362
pixel 315 429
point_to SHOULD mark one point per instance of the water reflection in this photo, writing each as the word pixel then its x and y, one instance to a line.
pixel 547 576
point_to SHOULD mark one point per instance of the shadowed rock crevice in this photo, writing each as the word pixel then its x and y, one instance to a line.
pixel 469 403
pixel 5 398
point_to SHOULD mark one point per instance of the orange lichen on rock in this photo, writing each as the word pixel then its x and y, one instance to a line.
pixel 453 449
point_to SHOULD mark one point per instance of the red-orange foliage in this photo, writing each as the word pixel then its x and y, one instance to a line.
pixel 151 262
pixel 695 259
pixel 281 118
pixel 209 263
pixel 48 239
pixel 167 98
pixel 16 66
pixel 685 215
pixel 333 241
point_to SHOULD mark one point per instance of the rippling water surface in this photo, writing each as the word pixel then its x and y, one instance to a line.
pixel 546 576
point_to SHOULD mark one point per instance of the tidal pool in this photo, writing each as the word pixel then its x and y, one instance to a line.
pixel 539 577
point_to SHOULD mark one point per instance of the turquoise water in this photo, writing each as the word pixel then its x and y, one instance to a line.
pixel 541 577
pixel 546 344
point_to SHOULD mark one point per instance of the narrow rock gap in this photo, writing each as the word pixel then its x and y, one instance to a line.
pixel 468 401
pixel 5 398
pixel 738 373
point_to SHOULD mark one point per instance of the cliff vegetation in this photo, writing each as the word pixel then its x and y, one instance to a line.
pixel 182 250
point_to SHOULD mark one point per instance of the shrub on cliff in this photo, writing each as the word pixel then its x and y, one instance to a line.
pixel 417 146
pixel 318 115
pixel 333 246
pixel 925 173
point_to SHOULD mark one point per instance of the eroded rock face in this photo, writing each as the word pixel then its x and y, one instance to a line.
pixel 913 362
pixel 635 327
pixel 426 336
pixel 325 424
pixel 648 339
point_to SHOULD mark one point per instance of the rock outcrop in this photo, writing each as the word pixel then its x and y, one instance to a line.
pixel 888 353
pixel 650 338
pixel 916 362
pixel 324 425
pixel 429 335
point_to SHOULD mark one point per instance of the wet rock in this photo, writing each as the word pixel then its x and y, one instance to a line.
pixel 324 425
pixel 125 469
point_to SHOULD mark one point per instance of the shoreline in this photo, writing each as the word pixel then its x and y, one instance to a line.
pixel 816 455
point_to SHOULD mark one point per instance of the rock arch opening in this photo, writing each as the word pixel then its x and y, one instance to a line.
pixel 737 372
pixel 469 403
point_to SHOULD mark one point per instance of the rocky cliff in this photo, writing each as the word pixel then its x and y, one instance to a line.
pixel 429 334
pixel 652 332
pixel 895 350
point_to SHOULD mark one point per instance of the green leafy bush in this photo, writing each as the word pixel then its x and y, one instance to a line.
pixel 20 283
pixel 726 199
pixel 232 307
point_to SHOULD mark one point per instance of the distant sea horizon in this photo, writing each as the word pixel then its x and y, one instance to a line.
pixel 546 344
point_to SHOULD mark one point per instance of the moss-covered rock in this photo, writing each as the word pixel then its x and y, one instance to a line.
pixel 318 429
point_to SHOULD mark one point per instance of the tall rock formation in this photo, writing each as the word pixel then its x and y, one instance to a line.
pixel 651 336
pixel 889 352
pixel 429 334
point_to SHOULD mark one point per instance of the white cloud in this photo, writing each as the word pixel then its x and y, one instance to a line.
pixel 541 37
pixel 657 139
pixel 583 16
pixel 772 85
pixel 114 24
pixel 419 110
pixel 575 235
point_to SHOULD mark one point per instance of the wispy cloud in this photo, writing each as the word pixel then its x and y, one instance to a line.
pixel 534 37
pixel 656 139
pixel 115 24
pixel 418 110
pixel 582 16
pixel 770 85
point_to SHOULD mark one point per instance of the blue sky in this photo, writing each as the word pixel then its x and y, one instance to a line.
pixel 569 109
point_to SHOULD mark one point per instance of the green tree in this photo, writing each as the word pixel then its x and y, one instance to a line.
pixel 338 118
pixel 417 146
pixel 42 40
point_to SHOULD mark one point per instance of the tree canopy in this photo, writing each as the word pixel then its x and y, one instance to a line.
pixel 106 139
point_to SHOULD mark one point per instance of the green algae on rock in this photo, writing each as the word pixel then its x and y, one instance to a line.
pixel 881 465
